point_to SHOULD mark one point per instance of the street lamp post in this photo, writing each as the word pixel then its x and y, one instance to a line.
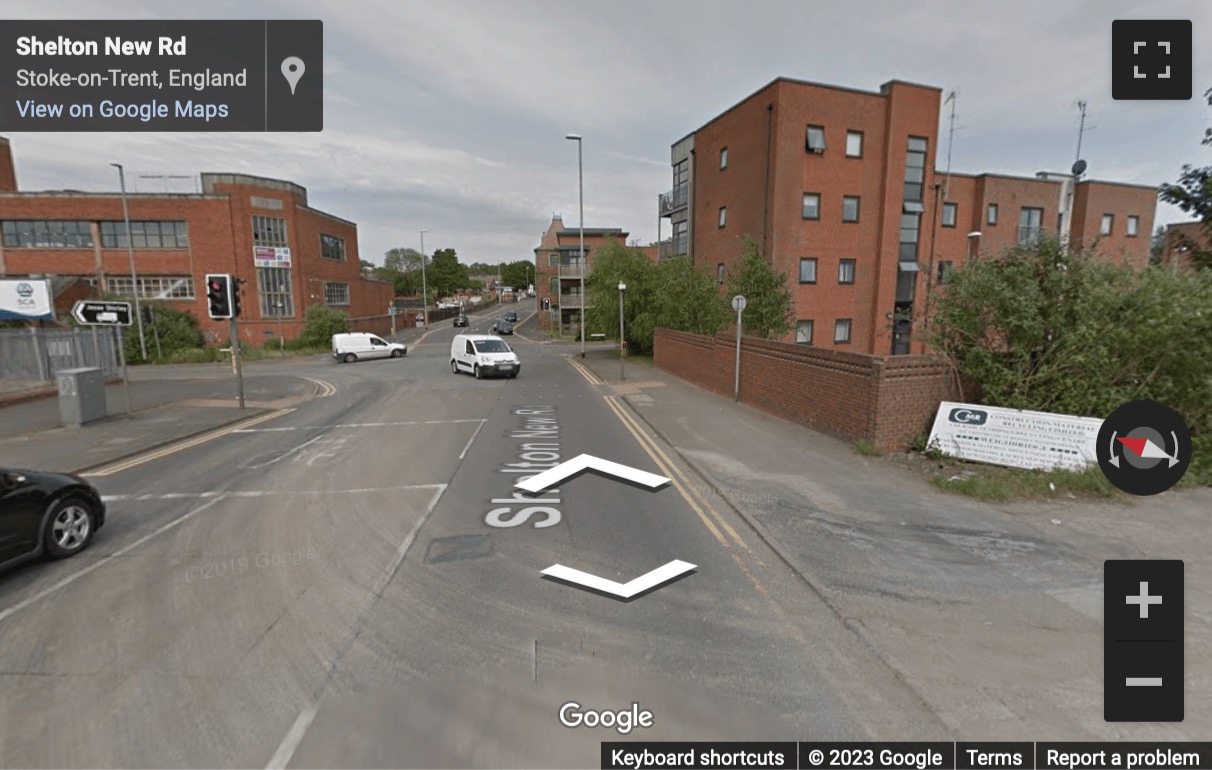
pixel 581 261
pixel 130 249
pixel 424 282
pixel 973 237
pixel 622 338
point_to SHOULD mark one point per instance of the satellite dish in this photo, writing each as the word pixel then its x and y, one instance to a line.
pixel 1079 168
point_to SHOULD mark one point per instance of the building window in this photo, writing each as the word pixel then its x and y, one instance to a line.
pixel 841 331
pixel 850 208
pixel 803 332
pixel 723 159
pixel 723 215
pixel 991 214
pixel 949 212
pixel 812 205
pixel 944 269
pixel 553 260
pixel 269 231
pixel 553 288
pixel 854 144
pixel 681 238
pixel 808 270
pixel 1133 225
pixel 816 139
pixel 915 169
pixel 42 234
pixel 164 287
pixel 336 293
pixel 910 227
pixel 145 235
pixel 273 284
pixel 1030 226
pixel 1107 225
pixel 332 247
pixel 845 271
pixel 719 273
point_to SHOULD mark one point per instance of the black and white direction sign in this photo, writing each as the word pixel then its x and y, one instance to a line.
pixel 102 313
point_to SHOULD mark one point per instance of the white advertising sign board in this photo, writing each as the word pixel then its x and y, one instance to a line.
pixel 270 256
pixel 1015 438
pixel 25 299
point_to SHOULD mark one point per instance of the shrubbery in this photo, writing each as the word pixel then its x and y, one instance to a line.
pixel 320 323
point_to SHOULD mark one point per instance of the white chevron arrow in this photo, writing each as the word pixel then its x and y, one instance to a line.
pixel 553 476
pixel 641 584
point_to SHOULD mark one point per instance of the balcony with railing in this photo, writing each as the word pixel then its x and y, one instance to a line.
pixel 574 270
pixel 570 301
pixel 675 200
pixel 674 247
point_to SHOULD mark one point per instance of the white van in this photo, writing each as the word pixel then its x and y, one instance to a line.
pixel 350 347
pixel 483 355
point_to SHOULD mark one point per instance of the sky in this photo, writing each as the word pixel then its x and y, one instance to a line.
pixel 451 116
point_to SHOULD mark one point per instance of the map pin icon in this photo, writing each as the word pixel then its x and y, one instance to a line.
pixel 292 70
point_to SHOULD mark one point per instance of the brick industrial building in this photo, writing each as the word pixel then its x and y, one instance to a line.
pixel 1181 240
pixel 261 230
pixel 558 268
pixel 837 188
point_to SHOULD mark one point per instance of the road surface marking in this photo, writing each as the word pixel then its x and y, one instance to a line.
pixel 677 470
pixel 262 493
pixel 326 388
pixel 352 425
pixel 472 439
pixel 105 560
pixel 553 476
pixel 118 467
pixel 656 577
pixel 290 743
pixel 294 736
pixel 584 371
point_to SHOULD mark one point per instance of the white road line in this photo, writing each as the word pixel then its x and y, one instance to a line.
pixel 265 493
pixel 290 743
pixel 472 439
pixel 284 455
pixel 294 736
pixel 352 425
pixel 104 560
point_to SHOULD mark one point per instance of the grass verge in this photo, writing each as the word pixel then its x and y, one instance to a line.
pixel 992 483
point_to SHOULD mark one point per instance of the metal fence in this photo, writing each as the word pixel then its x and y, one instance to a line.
pixel 38 354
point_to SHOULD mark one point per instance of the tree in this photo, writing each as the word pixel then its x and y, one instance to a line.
pixel 518 274
pixel 402 260
pixel 1157 245
pixel 1043 329
pixel 320 323
pixel 177 330
pixel 768 300
pixel 445 274
pixel 614 262
pixel 688 299
pixel 1193 194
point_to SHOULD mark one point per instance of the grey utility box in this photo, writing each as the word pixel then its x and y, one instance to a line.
pixel 81 395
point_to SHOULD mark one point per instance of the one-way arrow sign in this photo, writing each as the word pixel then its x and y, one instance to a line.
pixel 657 577
pixel 102 313
pixel 549 478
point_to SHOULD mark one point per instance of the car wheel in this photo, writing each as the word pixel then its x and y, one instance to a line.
pixel 397 353
pixel 478 373
pixel 69 528
pixel 349 358
pixel 454 366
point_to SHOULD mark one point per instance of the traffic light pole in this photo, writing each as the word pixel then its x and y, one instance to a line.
pixel 235 357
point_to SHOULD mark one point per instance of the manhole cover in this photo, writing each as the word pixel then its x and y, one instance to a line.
pixel 458 548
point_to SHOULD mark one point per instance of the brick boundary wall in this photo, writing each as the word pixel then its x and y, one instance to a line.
pixel 887 401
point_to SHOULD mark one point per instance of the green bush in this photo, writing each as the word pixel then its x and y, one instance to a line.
pixel 177 331
pixel 320 323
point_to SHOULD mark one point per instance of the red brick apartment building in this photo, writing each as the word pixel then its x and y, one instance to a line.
pixel 559 270
pixel 837 188
pixel 1180 240
pixel 262 230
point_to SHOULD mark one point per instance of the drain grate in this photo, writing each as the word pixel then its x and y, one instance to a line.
pixel 459 548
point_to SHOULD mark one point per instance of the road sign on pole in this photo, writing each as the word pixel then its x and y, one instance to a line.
pixel 89 313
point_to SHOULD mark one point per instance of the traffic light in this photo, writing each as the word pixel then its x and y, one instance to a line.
pixel 218 296
pixel 546 303
pixel 236 283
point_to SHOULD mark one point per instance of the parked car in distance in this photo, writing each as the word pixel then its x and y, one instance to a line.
pixel 512 317
pixel 420 318
pixel 483 355
pixel 354 345
pixel 460 320
pixel 502 327
pixel 53 514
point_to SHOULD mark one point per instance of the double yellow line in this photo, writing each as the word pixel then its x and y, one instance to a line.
pixel 156 454
pixel 690 492
pixel 584 371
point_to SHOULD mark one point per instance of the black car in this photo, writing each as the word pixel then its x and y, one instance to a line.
pixel 502 327
pixel 55 514
pixel 512 317
pixel 460 320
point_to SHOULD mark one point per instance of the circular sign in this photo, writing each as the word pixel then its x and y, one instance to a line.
pixel 1144 447
pixel 738 303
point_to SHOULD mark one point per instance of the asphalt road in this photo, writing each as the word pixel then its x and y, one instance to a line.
pixel 354 584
